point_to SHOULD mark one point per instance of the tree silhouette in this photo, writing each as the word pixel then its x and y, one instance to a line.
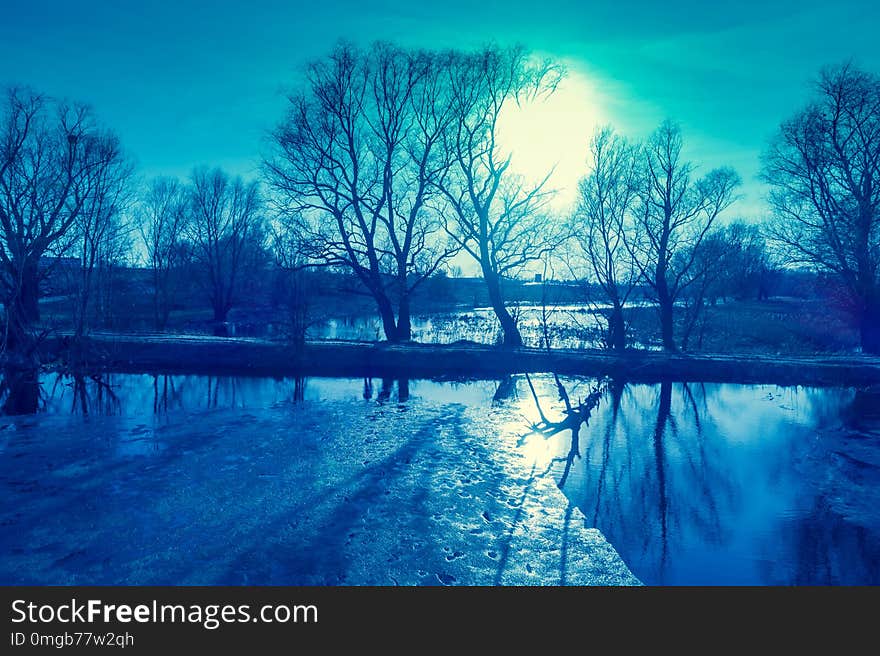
pixel 498 218
pixel 824 166
pixel 355 165
pixel 163 216
pixel 55 163
pixel 675 215
pixel 601 222
pixel 225 226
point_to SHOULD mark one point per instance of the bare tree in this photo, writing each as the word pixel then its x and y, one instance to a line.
pixel 99 239
pixel 714 260
pixel 163 215
pixel 499 218
pixel 603 217
pixel 53 161
pixel 355 165
pixel 295 282
pixel 115 255
pixel 675 214
pixel 225 224
pixel 825 170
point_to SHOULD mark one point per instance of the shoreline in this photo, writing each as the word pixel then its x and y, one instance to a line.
pixel 441 495
pixel 247 356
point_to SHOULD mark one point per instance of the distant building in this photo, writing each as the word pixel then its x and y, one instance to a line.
pixel 539 277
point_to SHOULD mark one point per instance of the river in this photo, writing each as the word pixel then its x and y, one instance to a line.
pixel 691 483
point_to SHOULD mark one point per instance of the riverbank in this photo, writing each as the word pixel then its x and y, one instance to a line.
pixel 200 354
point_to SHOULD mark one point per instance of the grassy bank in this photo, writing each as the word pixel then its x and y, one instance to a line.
pixel 252 356
pixel 775 326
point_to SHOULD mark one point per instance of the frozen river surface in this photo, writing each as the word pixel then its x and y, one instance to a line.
pixel 197 480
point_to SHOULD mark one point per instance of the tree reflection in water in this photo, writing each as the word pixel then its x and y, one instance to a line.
pixel 704 484
pixel 387 389
pixel 693 484
pixel 89 393
pixel 20 390
pixel 160 394
pixel 573 417
pixel 505 391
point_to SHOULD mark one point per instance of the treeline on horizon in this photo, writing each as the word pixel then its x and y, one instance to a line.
pixel 386 167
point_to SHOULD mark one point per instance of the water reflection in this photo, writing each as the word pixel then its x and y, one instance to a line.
pixel 505 390
pixel 727 484
pixel 140 394
pixel 573 417
pixel 20 391
pixel 864 413
pixel 571 326
pixel 693 484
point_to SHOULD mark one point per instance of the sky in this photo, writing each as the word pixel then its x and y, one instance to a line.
pixel 188 83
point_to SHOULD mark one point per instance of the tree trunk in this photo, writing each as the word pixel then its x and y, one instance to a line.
pixel 386 313
pixel 667 327
pixel 763 294
pixel 220 313
pixel 664 298
pixel 19 334
pixel 617 329
pixel 221 328
pixel 512 337
pixel 869 326
pixel 157 301
pixel 22 313
pixel 30 293
pixel 404 322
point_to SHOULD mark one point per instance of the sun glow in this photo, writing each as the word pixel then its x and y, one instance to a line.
pixel 552 134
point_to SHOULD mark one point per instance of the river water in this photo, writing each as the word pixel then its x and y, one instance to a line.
pixel 691 483
pixel 566 326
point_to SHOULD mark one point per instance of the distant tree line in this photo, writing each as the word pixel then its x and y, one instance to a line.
pixel 388 163
pixel 212 229
pixel 644 221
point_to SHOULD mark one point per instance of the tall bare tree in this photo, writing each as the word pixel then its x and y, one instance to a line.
pixel 603 217
pixel 163 220
pixel 715 259
pixel 355 165
pixel 824 166
pixel 296 285
pixel 115 254
pixel 100 239
pixel 54 159
pixel 499 218
pixel 225 227
pixel 675 214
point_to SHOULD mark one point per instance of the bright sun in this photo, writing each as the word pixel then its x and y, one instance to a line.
pixel 553 132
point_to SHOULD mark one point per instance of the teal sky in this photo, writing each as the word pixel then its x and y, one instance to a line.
pixel 187 83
